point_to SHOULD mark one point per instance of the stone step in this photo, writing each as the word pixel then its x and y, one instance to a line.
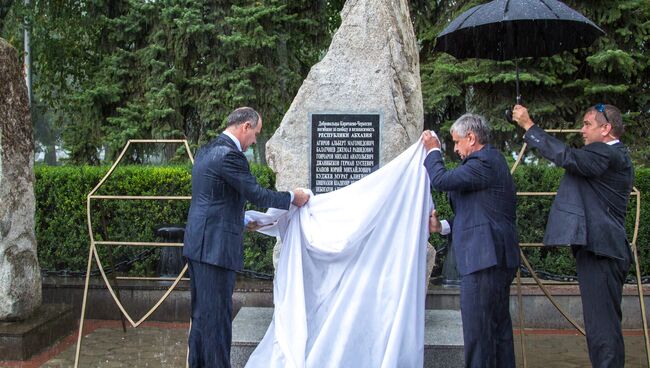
pixel 20 340
pixel 443 336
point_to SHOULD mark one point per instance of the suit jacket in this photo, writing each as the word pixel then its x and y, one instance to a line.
pixel 591 202
pixel 221 184
pixel 483 198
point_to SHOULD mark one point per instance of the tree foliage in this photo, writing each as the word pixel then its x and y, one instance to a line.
pixel 115 70
pixel 110 70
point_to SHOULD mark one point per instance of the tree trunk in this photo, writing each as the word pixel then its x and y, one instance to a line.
pixel 260 149
pixel 50 154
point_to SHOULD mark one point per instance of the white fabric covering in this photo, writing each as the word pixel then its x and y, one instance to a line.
pixel 350 283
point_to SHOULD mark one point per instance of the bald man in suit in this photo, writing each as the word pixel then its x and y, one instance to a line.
pixel 221 184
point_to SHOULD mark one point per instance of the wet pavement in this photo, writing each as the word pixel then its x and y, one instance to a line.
pixel 568 349
pixel 105 344
pixel 157 344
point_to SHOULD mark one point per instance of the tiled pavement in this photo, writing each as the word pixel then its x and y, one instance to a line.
pixel 164 345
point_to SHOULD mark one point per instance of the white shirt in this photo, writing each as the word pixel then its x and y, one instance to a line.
pixel 237 143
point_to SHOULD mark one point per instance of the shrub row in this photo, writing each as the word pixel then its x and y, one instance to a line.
pixel 62 226
pixel 62 230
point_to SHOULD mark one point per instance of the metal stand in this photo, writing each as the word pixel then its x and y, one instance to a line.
pixel 92 250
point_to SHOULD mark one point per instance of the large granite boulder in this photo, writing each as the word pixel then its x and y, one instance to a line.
pixel 20 276
pixel 371 66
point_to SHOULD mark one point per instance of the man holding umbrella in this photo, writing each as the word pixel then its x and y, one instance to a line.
pixel 588 213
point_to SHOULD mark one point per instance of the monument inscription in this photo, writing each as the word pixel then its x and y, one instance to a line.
pixel 344 149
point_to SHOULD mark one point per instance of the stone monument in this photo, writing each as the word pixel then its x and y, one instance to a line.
pixel 367 86
pixel 359 107
pixel 371 68
pixel 20 275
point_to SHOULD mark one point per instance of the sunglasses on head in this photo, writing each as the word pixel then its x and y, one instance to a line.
pixel 601 109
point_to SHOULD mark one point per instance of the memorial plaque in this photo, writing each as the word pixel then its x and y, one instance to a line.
pixel 344 149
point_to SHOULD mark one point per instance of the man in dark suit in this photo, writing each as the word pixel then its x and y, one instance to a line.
pixel 484 236
pixel 213 244
pixel 588 213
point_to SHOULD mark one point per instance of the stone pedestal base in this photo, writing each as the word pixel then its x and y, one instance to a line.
pixel 22 339
pixel 443 336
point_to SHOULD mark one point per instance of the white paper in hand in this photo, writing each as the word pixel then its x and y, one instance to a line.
pixel 267 220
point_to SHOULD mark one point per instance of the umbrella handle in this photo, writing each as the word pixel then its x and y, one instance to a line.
pixel 508 112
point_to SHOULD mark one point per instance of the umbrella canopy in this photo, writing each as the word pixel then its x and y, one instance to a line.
pixel 510 29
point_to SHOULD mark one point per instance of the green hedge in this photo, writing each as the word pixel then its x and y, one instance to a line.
pixel 61 225
pixel 62 232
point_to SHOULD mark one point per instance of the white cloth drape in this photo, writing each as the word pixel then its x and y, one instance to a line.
pixel 350 283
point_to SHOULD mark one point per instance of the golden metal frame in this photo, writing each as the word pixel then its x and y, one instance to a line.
pixel 92 251
pixel 540 283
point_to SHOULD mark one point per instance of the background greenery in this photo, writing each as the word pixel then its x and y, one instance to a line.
pixel 106 71
pixel 61 221
pixel 62 232
pixel 556 89
pixel 110 70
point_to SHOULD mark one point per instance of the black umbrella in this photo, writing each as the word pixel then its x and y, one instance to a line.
pixel 511 29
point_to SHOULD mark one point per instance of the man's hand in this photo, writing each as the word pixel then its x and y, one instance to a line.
pixel 434 223
pixel 430 141
pixel 300 197
pixel 252 226
pixel 520 115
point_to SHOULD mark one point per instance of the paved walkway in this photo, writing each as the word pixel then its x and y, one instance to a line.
pixel 568 349
pixel 153 344
pixel 164 345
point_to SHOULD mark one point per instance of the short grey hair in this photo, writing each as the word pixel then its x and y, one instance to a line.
pixel 477 124
pixel 242 115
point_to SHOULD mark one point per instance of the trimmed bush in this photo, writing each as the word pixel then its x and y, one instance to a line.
pixel 62 230
pixel 61 220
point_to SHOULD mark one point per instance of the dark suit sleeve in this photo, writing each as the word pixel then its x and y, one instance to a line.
pixel 590 161
pixel 236 172
pixel 473 174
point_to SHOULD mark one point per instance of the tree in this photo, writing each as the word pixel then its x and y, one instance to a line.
pixel 5 7
pixel 112 70
pixel 270 47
